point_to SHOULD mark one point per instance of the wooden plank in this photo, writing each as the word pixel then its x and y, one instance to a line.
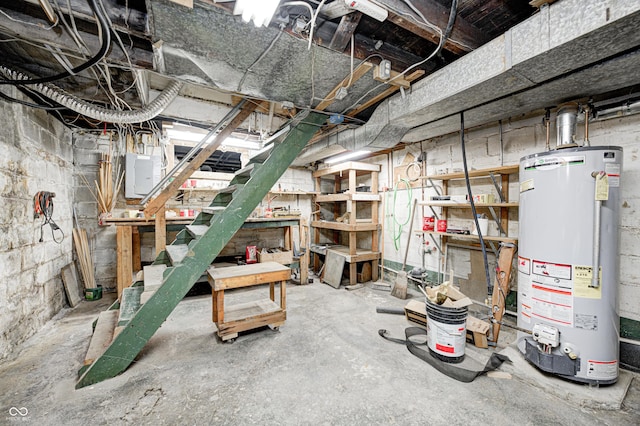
pixel 154 205
pixel 468 36
pixel 123 258
pixel 345 196
pixel 72 286
pixel 333 267
pixel 470 237
pixel 161 230
pixel 136 245
pixel 230 330
pixel 345 30
pixel 395 78
pixel 362 255
pixel 349 165
pixel 501 286
pixel 465 205
pixel 383 95
pixel 250 310
pixel 247 275
pixel 102 335
pixel 358 72
pixel 347 227
pixel 511 169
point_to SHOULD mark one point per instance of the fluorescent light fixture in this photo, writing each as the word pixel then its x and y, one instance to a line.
pixel 261 11
pixel 185 135
pixel 345 157
pixel 232 142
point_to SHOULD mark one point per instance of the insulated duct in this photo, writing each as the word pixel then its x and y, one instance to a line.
pixel 97 112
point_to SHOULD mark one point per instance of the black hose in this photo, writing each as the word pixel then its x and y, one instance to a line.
pixel 473 204
pixel 104 48
pixel 30 104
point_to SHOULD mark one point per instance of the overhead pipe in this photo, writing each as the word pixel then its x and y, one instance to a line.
pixel 148 112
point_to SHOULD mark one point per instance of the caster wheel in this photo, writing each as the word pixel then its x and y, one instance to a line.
pixel 276 328
pixel 230 341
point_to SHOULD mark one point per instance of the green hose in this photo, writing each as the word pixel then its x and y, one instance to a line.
pixel 397 226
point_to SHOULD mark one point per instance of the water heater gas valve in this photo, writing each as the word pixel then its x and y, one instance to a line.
pixel 546 335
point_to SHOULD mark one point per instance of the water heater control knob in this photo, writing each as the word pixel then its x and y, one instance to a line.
pixel 546 335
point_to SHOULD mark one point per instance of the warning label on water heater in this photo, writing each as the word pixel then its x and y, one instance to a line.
pixel 603 370
pixel 613 173
pixel 551 292
pixel 553 270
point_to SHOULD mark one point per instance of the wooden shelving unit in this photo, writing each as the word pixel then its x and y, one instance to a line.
pixel 345 199
pixel 498 210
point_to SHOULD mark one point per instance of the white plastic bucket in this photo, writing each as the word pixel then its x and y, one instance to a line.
pixel 446 332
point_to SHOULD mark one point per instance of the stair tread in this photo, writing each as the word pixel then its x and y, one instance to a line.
pixel 153 276
pixel 130 303
pixel 246 171
pixel 177 252
pixel 213 209
pixel 102 335
pixel 146 295
pixel 262 155
pixel 197 230
pixel 230 188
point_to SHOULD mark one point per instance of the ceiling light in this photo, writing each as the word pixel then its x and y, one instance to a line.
pixel 232 142
pixel 261 11
pixel 345 157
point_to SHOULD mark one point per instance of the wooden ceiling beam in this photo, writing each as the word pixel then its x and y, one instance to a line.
pixel 386 93
pixel 345 30
pixel 466 36
pixel 358 72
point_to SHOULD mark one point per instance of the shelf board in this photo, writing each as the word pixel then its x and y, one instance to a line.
pixel 347 227
pixel 502 170
pixel 360 168
pixel 464 205
pixel 358 196
pixel 199 189
pixel 362 255
pixel 470 237
pixel 293 193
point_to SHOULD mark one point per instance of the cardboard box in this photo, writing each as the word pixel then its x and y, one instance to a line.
pixel 279 255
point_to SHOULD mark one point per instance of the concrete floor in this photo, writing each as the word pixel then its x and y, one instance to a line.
pixel 326 365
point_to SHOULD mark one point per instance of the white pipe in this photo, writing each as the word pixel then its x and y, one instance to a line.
pixel 96 112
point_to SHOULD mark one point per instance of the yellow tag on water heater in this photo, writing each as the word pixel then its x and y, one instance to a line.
pixel 602 187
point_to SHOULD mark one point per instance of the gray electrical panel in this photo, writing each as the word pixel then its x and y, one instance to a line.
pixel 142 174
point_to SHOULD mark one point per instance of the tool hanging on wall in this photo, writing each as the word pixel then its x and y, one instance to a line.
pixel 43 207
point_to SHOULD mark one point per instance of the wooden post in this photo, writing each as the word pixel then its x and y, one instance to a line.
pixel 135 248
pixel 161 230
pixel 124 258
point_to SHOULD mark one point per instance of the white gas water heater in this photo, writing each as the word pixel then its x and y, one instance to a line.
pixel 569 229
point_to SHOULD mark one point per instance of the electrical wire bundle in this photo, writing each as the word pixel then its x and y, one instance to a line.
pixel 43 206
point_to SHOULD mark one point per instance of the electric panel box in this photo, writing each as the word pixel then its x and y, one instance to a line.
pixel 142 174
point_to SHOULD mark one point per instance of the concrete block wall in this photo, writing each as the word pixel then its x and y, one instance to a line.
pixel 36 156
pixel 87 148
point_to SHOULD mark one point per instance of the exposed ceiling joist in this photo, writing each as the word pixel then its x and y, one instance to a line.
pixel 358 72
pixel 464 36
pixel 345 30
pixel 383 95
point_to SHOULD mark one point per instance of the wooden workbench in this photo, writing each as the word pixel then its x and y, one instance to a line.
pixel 128 239
pixel 247 316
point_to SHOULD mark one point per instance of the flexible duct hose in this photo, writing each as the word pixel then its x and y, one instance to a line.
pixel 97 112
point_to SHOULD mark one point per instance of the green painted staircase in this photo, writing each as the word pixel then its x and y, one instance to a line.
pixel 143 308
